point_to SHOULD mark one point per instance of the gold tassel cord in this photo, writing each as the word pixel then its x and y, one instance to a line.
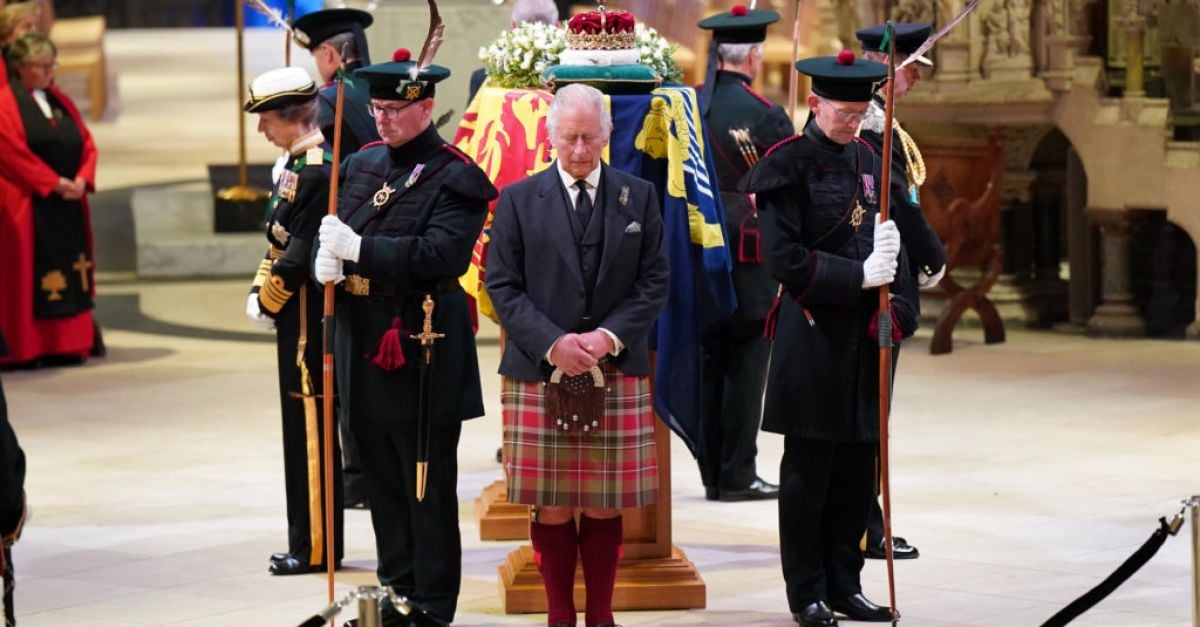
pixel 912 157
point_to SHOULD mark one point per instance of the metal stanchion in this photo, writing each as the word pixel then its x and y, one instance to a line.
pixel 369 610
pixel 1194 504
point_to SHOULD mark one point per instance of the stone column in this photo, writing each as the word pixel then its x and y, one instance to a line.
pixel 953 51
pixel 1133 27
pixel 1116 315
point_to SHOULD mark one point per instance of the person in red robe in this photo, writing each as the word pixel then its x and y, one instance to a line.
pixel 47 168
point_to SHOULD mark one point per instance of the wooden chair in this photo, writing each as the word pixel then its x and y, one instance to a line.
pixel 80 42
pixel 961 200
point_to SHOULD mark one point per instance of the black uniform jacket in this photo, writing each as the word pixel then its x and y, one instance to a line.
pixel 823 379
pixel 358 127
pixel 922 245
pixel 291 229
pixel 536 284
pixel 737 107
pixel 416 241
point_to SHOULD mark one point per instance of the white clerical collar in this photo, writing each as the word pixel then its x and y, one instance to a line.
pixel 43 103
pixel 310 140
pixel 568 180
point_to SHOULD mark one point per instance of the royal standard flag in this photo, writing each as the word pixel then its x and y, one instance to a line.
pixel 666 135
pixel 504 131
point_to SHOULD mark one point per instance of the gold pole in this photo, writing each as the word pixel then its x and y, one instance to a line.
pixel 242 191
pixel 1135 42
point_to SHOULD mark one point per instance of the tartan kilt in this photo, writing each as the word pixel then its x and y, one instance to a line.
pixel 614 467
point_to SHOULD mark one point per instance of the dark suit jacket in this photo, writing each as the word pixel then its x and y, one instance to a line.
pixel 535 282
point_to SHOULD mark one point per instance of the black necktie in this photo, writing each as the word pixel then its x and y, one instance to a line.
pixel 583 204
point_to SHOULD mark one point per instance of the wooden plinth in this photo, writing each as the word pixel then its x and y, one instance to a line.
pixel 667 583
pixel 499 519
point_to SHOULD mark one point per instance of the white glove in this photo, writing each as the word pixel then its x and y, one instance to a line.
pixel 926 281
pixel 327 267
pixel 880 266
pixel 340 239
pixel 260 320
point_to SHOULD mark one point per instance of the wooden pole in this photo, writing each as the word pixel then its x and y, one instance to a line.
pixel 327 345
pixel 885 324
pixel 793 75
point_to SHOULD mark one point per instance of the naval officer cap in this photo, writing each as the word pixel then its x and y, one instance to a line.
pixel 740 25
pixel 844 77
pixel 393 80
pixel 312 29
pixel 279 88
pixel 909 36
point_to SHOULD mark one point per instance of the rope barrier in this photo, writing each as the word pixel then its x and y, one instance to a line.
pixel 1126 570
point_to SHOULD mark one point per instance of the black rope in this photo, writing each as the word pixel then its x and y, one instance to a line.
pixel 1114 581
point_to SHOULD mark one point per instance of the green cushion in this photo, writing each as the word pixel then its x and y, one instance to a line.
pixel 612 79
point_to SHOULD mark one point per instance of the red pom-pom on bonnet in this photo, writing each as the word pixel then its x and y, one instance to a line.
pixel 845 57
pixel 739 10
pixel 401 55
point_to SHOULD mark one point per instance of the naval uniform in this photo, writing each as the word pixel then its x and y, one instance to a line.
pixel 287 294
pixel 417 239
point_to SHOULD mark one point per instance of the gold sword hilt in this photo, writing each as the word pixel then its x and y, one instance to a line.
pixel 427 336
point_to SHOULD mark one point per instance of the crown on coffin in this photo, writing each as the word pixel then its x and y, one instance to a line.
pixel 602 30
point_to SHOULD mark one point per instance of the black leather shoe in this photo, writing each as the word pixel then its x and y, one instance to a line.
pixel 758 490
pixel 815 614
pixel 901 550
pixel 858 607
pixel 711 494
pixel 287 564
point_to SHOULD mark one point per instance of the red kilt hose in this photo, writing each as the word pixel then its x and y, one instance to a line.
pixel 614 466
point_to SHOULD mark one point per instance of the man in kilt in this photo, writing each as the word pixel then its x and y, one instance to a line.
pixel 578 273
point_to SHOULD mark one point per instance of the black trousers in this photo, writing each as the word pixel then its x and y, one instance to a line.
pixel 735 373
pixel 303 451
pixel 417 543
pixel 824 493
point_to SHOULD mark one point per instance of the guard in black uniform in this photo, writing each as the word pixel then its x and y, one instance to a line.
pixel 410 209
pixel 283 297
pixel 817 195
pixel 12 498
pixel 927 257
pixel 334 36
pixel 742 125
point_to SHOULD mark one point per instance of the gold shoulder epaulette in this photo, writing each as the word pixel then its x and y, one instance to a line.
pixel 314 156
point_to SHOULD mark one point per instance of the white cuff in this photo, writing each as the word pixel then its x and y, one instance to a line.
pixel 617 345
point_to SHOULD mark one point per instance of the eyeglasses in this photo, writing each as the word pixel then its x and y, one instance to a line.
pixel 386 113
pixel 44 65
pixel 846 115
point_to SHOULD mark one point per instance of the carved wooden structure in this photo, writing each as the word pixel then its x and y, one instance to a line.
pixel 961 199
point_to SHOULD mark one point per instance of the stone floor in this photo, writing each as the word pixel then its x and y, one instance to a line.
pixel 1024 471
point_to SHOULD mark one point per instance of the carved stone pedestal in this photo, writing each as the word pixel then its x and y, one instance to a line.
pixel 1116 316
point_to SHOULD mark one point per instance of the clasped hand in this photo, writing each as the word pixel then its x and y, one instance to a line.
pixel 71 189
pixel 575 353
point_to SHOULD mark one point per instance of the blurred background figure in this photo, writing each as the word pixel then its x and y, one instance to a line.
pixel 47 168
pixel 536 11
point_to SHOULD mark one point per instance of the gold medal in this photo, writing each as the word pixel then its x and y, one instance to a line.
pixel 856 216
pixel 381 197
